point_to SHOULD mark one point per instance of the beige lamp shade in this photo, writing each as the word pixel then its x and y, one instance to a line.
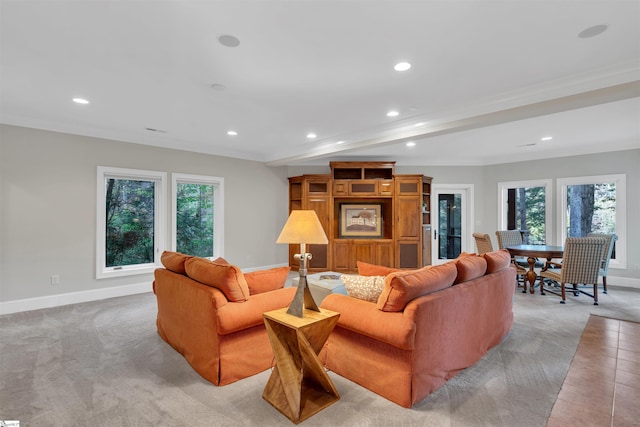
pixel 303 226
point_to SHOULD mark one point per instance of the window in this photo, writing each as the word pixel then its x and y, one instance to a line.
pixel 594 204
pixel 130 221
pixel 197 215
pixel 526 206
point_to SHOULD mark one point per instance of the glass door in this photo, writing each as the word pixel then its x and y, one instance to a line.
pixel 451 223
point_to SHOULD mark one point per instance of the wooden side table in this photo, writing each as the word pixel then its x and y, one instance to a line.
pixel 298 386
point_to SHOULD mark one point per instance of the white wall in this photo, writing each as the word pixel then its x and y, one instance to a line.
pixel 48 208
pixel 486 179
pixel 48 203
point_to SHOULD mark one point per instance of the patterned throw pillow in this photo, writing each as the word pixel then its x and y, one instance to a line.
pixel 366 288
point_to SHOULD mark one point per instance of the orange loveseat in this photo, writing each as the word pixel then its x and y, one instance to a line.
pixel 211 313
pixel 425 327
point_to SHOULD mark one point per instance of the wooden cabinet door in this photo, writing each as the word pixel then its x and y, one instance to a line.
pixel 320 253
pixel 363 250
pixel 408 217
pixel 385 187
pixel 408 227
pixel 384 253
pixel 340 188
pixel 408 254
pixel 321 205
pixel 341 255
pixel 316 197
pixel 409 185
pixel 363 187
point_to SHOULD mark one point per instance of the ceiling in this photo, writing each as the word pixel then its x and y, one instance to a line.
pixel 488 79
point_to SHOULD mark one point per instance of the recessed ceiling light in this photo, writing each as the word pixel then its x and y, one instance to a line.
pixel 392 114
pixel 546 138
pixel 311 135
pixel 80 101
pixel 596 30
pixel 339 142
pixel 411 144
pixel 402 66
pixel 419 124
pixel 229 41
pixel 232 132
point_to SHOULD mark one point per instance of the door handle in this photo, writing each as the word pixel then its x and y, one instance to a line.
pixel 435 234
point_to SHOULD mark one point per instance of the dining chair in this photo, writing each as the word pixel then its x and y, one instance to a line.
pixel 580 265
pixel 514 238
pixel 483 243
pixel 606 256
pixel 509 238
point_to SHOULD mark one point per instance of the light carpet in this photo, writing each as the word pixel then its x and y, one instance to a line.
pixel 103 364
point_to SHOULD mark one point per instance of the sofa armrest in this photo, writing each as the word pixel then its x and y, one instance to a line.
pixel 237 316
pixel 363 317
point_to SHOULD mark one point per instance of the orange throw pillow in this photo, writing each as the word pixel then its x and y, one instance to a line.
pixel 174 261
pixel 469 268
pixel 228 278
pixel 366 269
pixel 401 287
pixel 266 280
pixel 497 260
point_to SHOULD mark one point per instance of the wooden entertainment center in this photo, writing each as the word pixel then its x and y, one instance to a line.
pixel 348 202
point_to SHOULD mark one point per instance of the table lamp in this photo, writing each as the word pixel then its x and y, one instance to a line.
pixel 303 227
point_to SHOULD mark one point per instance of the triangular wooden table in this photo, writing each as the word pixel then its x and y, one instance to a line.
pixel 298 386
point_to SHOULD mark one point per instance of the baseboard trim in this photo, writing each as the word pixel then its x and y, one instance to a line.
pixel 49 301
pixel 625 282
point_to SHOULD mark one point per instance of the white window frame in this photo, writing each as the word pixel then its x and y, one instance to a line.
pixel 503 206
pixel 621 210
pixel 160 222
pixel 218 208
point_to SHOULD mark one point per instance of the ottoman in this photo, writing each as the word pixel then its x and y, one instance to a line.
pixel 323 284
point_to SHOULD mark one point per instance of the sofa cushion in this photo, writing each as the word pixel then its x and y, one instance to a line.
pixel 366 288
pixel 221 260
pixel 228 278
pixel 497 260
pixel 174 261
pixel 464 254
pixel 403 286
pixel 366 269
pixel 261 281
pixel 470 267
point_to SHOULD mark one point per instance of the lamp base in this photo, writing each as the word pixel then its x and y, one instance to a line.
pixel 302 299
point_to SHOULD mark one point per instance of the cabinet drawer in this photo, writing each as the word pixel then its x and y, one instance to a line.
pixel 340 188
pixel 362 187
pixel 385 188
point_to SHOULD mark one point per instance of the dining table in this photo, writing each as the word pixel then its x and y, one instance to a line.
pixel 532 252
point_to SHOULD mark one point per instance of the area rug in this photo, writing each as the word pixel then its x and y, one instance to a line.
pixel 103 364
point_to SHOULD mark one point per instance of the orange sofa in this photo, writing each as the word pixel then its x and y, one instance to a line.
pixel 211 313
pixel 425 327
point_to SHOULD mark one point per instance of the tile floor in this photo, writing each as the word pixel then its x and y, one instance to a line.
pixel 602 387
